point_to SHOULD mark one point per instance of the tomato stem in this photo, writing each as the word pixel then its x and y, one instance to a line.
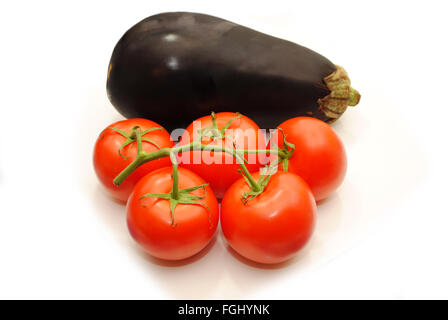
pixel 256 187
pixel 286 152
pixel 252 183
pixel 234 152
pixel 175 190
pixel 138 137
pixel 142 158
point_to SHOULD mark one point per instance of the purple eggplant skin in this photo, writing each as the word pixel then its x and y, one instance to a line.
pixel 175 67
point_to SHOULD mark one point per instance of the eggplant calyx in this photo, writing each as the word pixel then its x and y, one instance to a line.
pixel 341 96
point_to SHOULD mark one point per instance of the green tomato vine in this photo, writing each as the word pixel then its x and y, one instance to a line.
pixel 183 196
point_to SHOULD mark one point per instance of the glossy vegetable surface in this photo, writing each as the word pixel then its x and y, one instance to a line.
pixel 319 156
pixel 273 226
pixel 175 67
pixel 160 232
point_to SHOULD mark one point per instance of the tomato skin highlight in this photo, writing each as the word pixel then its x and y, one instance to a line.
pixel 222 175
pixel 319 156
pixel 272 227
pixel 150 221
pixel 108 163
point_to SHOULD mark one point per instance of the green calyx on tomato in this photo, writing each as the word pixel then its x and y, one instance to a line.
pixel 257 187
pixel 132 137
pixel 214 132
pixel 180 196
pixel 183 197
pixel 284 154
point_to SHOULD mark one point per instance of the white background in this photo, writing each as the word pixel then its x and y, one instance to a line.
pixel 383 235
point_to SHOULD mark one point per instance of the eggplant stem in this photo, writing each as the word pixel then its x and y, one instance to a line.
pixel 355 96
pixel 341 95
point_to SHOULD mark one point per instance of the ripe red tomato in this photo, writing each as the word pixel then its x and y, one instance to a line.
pixel 273 226
pixel 319 156
pixel 221 169
pixel 150 219
pixel 108 161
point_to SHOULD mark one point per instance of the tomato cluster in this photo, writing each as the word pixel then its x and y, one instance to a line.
pixel 268 191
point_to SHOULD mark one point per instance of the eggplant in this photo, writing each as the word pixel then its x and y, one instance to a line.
pixel 175 67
